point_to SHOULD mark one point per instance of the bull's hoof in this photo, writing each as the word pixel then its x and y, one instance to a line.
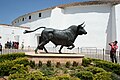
pixel 36 52
pixel 60 52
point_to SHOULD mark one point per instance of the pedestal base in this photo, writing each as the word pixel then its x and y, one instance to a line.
pixel 54 57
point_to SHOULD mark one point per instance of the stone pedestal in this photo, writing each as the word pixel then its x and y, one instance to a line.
pixel 54 57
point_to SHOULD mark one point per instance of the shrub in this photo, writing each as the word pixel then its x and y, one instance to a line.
pixel 48 71
pixel 109 66
pixel 11 56
pixel 21 61
pixel 68 64
pixel 65 77
pixel 115 68
pixel 17 76
pixel 35 75
pixel 18 68
pixel 84 75
pixel 115 77
pixel 32 63
pixel 95 70
pixel 75 64
pixel 58 64
pixel 102 76
pixel 5 67
pixel 86 61
pixel 49 64
pixel 40 64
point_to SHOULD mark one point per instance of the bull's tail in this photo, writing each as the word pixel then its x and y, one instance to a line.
pixel 26 31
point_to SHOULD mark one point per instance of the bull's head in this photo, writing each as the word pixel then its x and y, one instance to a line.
pixel 80 29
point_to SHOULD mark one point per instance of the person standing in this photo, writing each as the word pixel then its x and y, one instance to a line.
pixel 22 45
pixel 1 48
pixel 114 47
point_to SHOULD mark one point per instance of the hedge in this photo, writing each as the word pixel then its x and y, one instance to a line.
pixel 5 67
pixel 11 56
pixel 108 66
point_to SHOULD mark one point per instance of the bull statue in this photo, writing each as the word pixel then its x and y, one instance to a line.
pixel 64 37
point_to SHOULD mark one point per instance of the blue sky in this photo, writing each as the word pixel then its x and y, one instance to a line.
pixel 11 9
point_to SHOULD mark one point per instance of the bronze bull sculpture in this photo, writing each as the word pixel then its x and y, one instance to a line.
pixel 64 37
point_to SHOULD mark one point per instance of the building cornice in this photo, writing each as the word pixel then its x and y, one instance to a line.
pixel 8 25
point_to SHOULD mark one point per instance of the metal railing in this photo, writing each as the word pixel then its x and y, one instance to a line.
pixel 91 52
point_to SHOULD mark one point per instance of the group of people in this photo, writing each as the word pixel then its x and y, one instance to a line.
pixel 13 45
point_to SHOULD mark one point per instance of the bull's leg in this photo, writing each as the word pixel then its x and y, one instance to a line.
pixel 36 50
pixel 45 49
pixel 41 46
pixel 44 43
pixel 60 49
pixel 38 47
pixel 72 46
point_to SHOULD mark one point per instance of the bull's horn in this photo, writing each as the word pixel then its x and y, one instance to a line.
pixel 82 23
pixel 83 26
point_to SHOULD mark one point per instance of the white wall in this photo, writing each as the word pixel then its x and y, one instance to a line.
pixel 10 33
pixel 117 11
pixel 57 18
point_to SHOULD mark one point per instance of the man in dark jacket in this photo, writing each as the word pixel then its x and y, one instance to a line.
pixel 1 48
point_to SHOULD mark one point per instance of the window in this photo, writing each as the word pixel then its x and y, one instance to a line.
pixel 39 14
pixel 22 19
pixel 29 17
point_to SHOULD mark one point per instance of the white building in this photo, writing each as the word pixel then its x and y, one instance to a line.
pixel 102 21
pixel 13 34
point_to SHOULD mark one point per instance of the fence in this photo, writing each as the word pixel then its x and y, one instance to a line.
pixel 91 52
